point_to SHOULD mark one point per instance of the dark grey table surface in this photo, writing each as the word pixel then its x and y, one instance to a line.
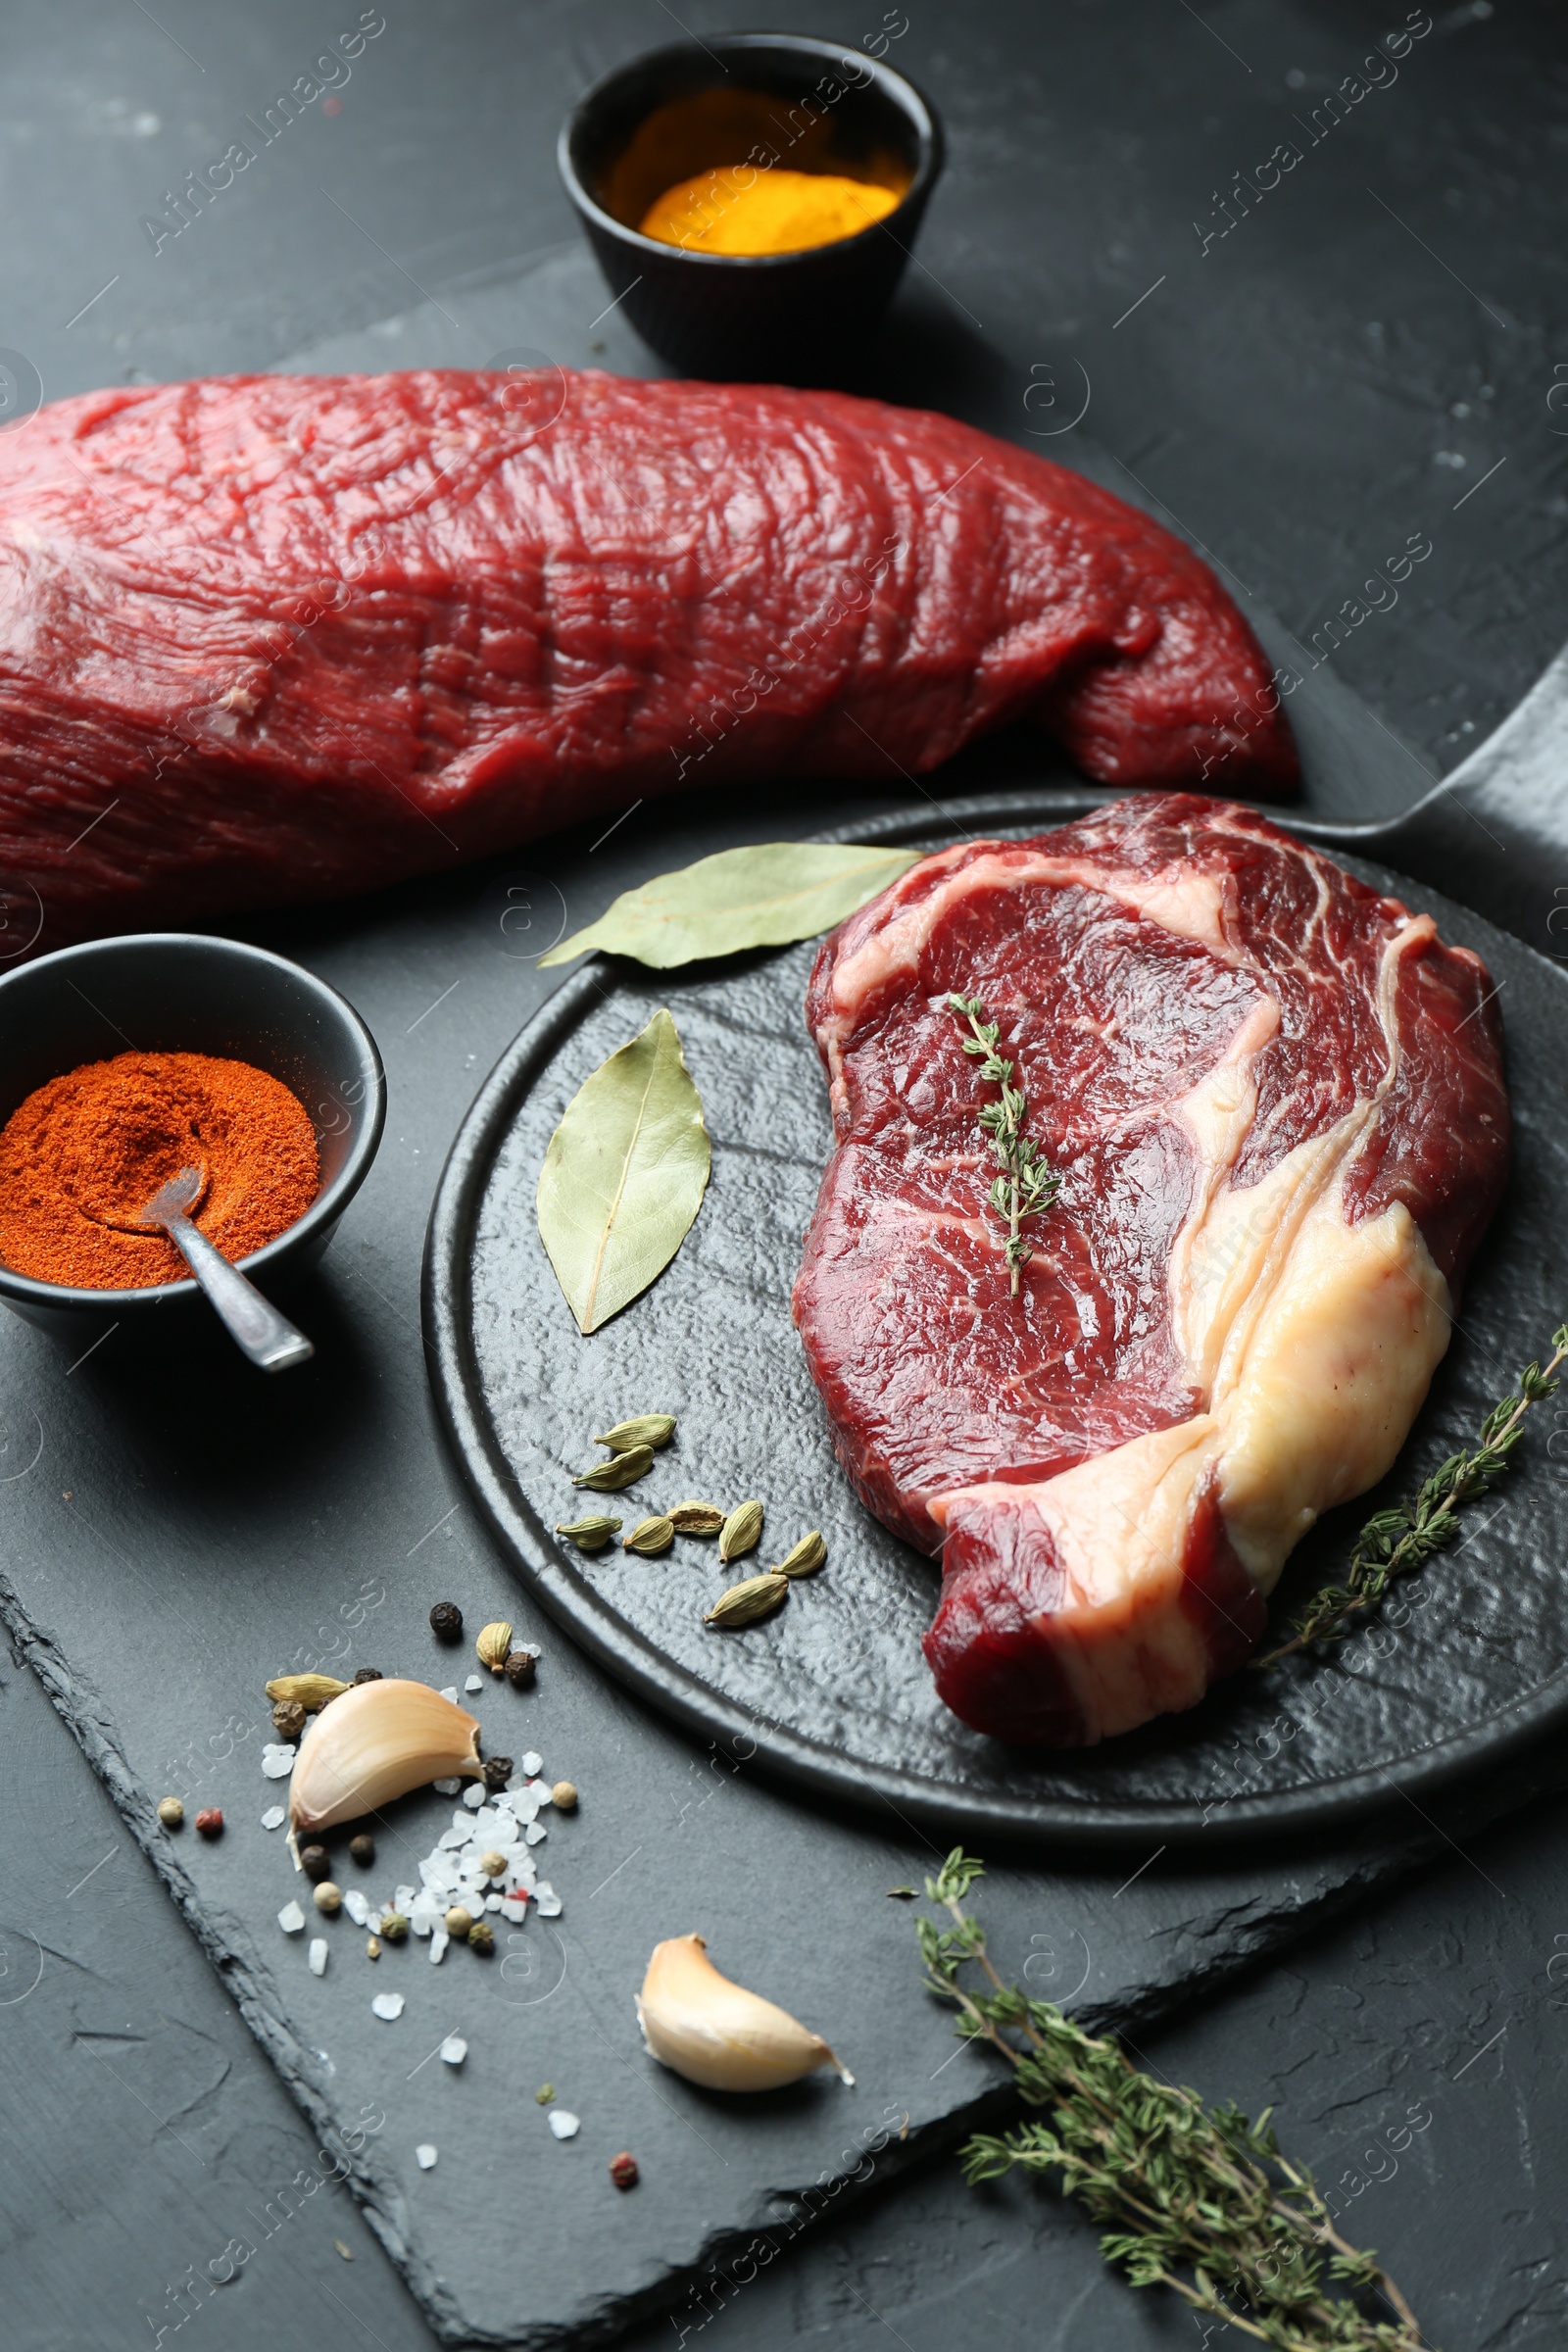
pixel 1374 354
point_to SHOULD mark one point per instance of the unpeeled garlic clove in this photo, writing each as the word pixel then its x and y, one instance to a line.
pixel 699 2025
pixel 378 1742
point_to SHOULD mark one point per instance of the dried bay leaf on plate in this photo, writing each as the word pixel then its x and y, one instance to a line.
pixel 761 897
pixel 623 1175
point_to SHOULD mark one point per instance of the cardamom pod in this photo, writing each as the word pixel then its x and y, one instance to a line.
pixel 650 1536
pixel 493 1644
pixel 697 1518
pixel 744 1604
pixel 741 1531
pixel 621 1470
pixel 307 1690
pixel 805 1558
pixel 648 1429
pixel 590 1534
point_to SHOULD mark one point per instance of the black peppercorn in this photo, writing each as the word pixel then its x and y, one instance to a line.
pixel 288 1718
pixel 521 1668
pixel 446 1620
pixel 369 1673
pixel 497 1771
pixel 363 1849
pixel 316 1863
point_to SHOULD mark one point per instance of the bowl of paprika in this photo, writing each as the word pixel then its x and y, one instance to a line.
pixel 123 1059
pixel 751 198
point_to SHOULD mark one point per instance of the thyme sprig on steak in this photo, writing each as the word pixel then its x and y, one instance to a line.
pixel 1396 1541
pixel 1026 1186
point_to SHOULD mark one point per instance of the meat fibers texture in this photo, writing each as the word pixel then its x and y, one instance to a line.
pixel 1275 1101
pixel 275 638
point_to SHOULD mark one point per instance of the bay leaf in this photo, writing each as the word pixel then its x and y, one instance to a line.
pixel 623 1175
pixel 760 897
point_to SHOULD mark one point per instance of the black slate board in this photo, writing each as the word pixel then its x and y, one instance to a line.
pixel 1471 1661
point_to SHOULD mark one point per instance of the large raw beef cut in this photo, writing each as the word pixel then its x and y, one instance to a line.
pixel 271 638
pixel 1276 1106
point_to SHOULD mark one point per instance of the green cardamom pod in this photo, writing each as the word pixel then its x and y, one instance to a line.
pixel 590 1534
pixel 648 1429
pixel 744 1604
pixel 650 1536
pixel 741 1531
pixel 697 1518
pixel 805 1558
pixel 621 1470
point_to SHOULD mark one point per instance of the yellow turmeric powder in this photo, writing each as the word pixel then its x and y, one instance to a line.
pixel 740 209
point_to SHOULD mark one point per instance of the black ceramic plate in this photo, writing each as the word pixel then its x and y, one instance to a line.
pixel 1470 1662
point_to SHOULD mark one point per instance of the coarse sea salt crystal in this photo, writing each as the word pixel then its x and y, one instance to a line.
pixel 403 1897
pixel 439 1939
pixel 475 1681
pixel 273 1818
pixel 473 1795
pixel 278 1762
pixel 291 1919
pixel 453 2049
pixel 512 1908
pixel 317 1955
pixel 450 1694
pixel 354 1904
pixel 547 1900
pixel 447 1788
pixel 459 1835
pixel 564 2124
pixel 533 1762
pixel 492 1902
pixel 424 2156
pixel 536 1833
pixel 388 2005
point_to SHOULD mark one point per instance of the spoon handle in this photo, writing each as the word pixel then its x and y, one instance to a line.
pixel 267 1338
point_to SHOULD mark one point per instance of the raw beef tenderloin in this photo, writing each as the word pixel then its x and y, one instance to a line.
pixel 1276 1103
pixel 269 638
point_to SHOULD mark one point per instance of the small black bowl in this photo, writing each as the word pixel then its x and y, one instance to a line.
pixel 171 992
pixel 810 105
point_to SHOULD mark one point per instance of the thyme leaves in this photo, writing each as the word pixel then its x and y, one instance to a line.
pixel 1198 2199
pixel 1026 1185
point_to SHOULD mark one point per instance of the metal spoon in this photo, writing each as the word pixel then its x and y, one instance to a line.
pixel 267 1338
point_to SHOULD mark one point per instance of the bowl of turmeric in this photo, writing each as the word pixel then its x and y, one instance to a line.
pixel 752 201
pixel 126 1060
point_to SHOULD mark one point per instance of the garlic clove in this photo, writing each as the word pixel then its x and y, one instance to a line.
pixel 378 1742
pixel 701 2026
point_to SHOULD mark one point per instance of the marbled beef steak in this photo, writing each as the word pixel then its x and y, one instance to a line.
pixel 1275 1100
pixel 275 638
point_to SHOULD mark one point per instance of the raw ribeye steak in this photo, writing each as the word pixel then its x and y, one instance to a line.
pixel 271 638
pixel 1275 1101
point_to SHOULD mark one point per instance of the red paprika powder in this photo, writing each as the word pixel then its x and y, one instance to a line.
pixel 97 1144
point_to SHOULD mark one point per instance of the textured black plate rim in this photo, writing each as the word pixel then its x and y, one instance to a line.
pixel 636 1662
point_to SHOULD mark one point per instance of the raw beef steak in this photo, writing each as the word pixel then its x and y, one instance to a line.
pixel 1275 1100
pixel 268 638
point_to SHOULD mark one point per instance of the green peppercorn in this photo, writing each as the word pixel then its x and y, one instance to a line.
pixel 481 1938
pixel 394 1927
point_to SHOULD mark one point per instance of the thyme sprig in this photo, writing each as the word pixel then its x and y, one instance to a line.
pixel 1026 1185
pixel 1395 1542
pixel 1199 2199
